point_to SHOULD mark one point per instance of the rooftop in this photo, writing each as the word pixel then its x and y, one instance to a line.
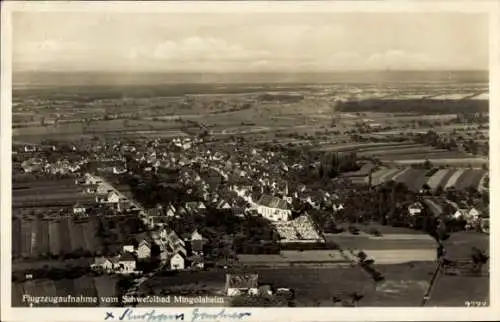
pixel 273 202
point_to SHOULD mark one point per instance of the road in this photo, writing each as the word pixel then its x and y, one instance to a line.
pixel 432 283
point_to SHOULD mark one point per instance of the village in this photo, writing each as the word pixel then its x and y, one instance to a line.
pixel 201 204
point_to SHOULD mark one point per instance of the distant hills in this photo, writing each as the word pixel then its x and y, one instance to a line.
pixel 57 79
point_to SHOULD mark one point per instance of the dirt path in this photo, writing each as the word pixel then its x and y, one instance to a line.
pixel 435 276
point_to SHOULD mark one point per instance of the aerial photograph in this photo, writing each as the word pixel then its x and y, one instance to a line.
pixel 250 159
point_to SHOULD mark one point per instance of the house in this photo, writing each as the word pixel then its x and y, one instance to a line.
pixel 195 206
pixel 337 207
pixel 102 189
pixel 143 249
pixel 415 208
pixel 474 213
pixel 174 240
pixel 112 197
pixel 30 148
pixel 196 242
pixel 197 261
pixel 79 209
pixel 239 211
pixel 128 249
pixel 102 263
pixel 222 204
pixel 126 264
pixel 237 284
pixel 100 198
pixel 460 213
pixel 122 205
pixel 170 211
pixel 176 248
pixel 273 208
pixel 91 188
pixel 265 290
pixel 119 170
pixel 178 261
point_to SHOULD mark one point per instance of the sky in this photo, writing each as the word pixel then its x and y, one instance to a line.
pixel 248 42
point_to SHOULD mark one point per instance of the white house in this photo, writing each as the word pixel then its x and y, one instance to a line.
pixel 79 209
pixel 128 248
pixel 177 262
pixel 102 263
pixel 337 207
pixel 273 208
pixel 222 204
pixel 102 189
pixel 126 264
pixel 119 170
pixel 415 208
pixel 170 211
pixel 474 213
pixel 30 148
pixel 143 250
pixel 460 213
pixel 113 197
pixel 237 284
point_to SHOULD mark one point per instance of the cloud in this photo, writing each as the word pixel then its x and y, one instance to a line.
pixel 398 59
pixel 196 49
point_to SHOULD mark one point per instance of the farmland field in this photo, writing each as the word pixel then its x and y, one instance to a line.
pixel 460 243
pixel 454 291
pixel 65 236
pixel 55 245
pixel 453 179
pixel 39 238
pixel 446 161
pixel 311 285
pixel 46 193
pixel 43 232
pixel 400 152
pixel 435 180
pixel 465 288
pixel 404 285
pixel 414 179
pixel 422 155
pixel 470 178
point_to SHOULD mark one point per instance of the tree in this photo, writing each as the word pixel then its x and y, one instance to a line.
pixel 439 191
pixel 355 298
pixel 479 258
pixel 362 256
